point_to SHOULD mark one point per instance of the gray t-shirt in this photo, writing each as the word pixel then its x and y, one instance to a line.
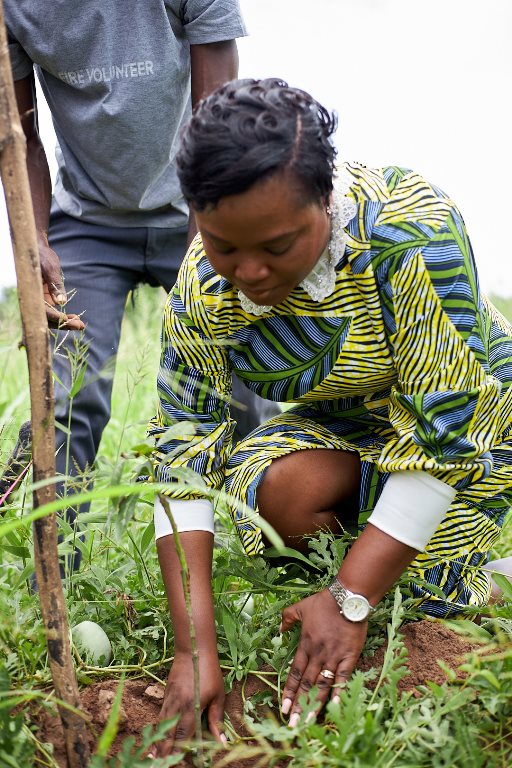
pixel 116 76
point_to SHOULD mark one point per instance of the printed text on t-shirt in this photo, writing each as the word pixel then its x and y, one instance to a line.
pixel 105 74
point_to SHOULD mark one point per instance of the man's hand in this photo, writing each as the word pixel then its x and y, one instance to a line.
pixel 53 290
pixel 179 700
pixel 328 643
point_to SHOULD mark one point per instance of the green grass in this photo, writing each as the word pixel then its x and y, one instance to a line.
pixel 119 586
pixel 14 397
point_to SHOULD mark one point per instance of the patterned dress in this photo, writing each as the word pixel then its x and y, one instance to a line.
pixel 405 362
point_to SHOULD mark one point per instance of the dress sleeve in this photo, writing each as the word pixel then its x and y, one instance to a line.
pixel 192 428
pixel 445 405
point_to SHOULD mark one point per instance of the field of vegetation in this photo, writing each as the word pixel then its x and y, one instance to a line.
pixel 401 708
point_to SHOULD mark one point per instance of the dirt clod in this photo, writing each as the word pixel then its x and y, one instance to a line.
pixel 105 700
pixel 155 692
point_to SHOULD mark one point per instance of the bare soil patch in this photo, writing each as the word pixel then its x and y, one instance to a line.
pixel 426 642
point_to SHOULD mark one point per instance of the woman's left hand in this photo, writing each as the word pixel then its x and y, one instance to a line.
pixel 328 643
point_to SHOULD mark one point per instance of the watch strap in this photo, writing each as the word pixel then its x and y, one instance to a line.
pixel 340 593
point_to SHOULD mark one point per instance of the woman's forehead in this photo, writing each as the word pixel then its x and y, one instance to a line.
pixel 267 211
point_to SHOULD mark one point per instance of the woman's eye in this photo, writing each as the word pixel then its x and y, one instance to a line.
pixel 278 251
pixel 223 249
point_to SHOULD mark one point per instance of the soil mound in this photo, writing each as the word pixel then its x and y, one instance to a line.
pixel 426 642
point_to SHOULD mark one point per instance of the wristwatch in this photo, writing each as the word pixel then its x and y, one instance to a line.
pixel 352 606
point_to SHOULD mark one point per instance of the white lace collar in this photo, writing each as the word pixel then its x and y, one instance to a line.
pixel 320 282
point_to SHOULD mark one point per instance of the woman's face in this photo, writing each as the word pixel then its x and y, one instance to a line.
pixel 266 240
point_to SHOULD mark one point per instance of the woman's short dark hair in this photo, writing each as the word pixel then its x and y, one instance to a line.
pixel 247 130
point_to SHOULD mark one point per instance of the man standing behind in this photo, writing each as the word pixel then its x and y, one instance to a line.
pixel 119 79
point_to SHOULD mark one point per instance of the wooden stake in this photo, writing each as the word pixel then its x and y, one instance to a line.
pixel 13 170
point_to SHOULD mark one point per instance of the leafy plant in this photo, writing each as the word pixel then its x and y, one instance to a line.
pixel 16 746
pixel 465 722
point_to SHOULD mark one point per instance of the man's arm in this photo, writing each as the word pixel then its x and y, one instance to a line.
pixel 212 64
pixel 41 191
pixel 37 164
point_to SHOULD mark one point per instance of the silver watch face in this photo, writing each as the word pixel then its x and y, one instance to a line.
pixel 356 608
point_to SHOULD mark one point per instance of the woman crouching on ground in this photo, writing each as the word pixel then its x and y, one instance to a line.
pixel 352 293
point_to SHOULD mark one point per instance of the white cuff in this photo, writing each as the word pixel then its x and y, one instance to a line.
pixel 189 515
pixel 411 507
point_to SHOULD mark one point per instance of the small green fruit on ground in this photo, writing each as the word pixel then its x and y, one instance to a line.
pixel 249 605
pixel 92 640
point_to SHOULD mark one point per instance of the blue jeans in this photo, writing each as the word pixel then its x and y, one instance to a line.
pixel 101 265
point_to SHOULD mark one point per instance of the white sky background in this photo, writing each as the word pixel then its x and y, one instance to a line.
pixel 420 83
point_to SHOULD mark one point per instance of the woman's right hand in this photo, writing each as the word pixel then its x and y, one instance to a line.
pixel 179 700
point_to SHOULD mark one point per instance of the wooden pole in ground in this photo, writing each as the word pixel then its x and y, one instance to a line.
pixel 14 176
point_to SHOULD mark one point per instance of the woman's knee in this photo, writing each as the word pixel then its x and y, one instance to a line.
pixel 310 490
pixel 321 478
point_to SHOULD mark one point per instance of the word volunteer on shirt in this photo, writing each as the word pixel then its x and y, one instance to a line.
pixel 105 74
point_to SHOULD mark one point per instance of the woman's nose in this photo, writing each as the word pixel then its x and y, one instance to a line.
pixel 251 270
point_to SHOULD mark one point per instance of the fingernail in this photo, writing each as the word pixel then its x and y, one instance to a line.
pixel 281 627
pixel 294 719
pixel 336 699
pixel 311 716
pixel 61 298
pixel 285 706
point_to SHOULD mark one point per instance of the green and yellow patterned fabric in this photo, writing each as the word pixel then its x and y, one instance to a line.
pixel 406 363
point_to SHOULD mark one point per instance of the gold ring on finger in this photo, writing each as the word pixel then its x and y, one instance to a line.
pixel 327 674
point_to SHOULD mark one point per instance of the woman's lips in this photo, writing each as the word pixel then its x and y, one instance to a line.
pixel 259 291
pixel 260 297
